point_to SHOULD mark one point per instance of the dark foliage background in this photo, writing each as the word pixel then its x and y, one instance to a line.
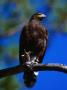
pixel 13 15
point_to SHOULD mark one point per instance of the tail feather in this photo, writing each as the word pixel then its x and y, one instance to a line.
pixel 29 79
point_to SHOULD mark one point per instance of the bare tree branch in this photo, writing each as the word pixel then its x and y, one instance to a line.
pixel 50 67
pixel 34 67
pixel 11 71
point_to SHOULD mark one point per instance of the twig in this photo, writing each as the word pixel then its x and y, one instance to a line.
pixel 35 67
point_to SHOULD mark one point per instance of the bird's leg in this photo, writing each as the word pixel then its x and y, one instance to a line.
pixel 34 60
pixel 26 56
pixel 29 75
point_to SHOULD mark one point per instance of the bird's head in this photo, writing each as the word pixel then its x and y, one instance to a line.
pixel 38 16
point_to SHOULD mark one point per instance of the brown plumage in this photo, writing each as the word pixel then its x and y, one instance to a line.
pixel 34 38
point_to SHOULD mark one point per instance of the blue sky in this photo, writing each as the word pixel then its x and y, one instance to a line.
pixel 56 51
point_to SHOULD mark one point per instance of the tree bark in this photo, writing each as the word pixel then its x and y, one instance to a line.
pixel 34 67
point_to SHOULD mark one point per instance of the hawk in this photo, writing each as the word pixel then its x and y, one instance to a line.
pixel 33 38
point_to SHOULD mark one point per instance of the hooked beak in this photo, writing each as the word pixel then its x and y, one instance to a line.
pixel 42 16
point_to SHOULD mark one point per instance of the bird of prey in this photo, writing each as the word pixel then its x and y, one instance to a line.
pixel 33 38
